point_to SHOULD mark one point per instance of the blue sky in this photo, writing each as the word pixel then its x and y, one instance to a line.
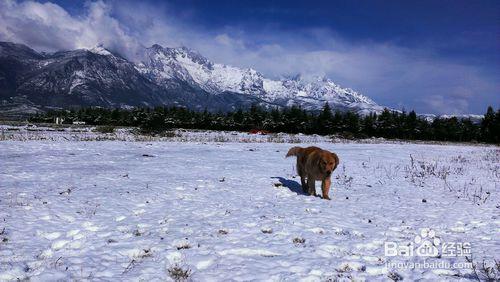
pixel 431 56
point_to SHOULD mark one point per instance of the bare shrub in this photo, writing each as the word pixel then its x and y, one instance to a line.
pixel 4 239
pixel 485 271
pixel 223 232
pixel 394 276
pixel 391 171
pixel 177 273
pixel 267 230
pixel 298 240
pixel 419 170
pixel 492 156
pixel 183 246
pixel 345 268
pixel 105 129
pixel 460 159
pixel 170 134
pixel 343 179
pixel 273 138
pixel 145 253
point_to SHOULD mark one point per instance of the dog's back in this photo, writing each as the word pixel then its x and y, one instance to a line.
pixel 302 154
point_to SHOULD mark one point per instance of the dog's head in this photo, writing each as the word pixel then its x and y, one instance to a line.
pixel 328 162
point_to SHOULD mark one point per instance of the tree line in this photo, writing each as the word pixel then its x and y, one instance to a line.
pixel 388 124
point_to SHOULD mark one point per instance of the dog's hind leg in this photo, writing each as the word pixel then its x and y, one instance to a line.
pixel 302 175
pixel 311 184
pixel 304 184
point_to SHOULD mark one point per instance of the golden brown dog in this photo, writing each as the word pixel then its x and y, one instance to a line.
pixel 314 164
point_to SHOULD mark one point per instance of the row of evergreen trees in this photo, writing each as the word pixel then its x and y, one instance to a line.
pixel 388 124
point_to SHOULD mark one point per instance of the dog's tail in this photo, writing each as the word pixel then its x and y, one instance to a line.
pixel 294 151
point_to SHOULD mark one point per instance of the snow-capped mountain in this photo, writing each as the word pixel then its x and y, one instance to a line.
pixel 164 76
pixel 93 77
pixel 166 65
pixel 474 118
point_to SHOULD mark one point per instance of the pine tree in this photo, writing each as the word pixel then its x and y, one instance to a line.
pixel 292 120
pixel 411 125
pixel 385 124
pixel 368 125
pixel 496 128
pixel 488 133
pixel 324 121
pixel 352 122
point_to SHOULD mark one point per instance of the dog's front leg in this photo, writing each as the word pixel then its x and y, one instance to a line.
pixel 311 184
pixel 325 188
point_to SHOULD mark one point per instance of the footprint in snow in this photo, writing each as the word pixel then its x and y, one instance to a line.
pixel 317 230
pixel 90 226
pixel 75 234
pixel 57 245
pixel 327 250
pixel 48 235
pixel 248 252
pixel 72 233
pixel 204 264
pixel 139 212
pixel 375 244
pixel 120 218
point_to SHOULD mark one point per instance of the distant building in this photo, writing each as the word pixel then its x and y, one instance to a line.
pixel 259 131
pixel 79 122
pixel 59 120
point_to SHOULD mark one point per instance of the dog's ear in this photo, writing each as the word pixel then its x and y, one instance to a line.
pixel 336 160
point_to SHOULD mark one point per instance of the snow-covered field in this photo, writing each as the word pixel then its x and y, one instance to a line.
pixel 90 133
pixel 118 210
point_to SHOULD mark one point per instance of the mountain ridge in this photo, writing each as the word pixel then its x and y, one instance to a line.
pixel 183 63
pixel 164 76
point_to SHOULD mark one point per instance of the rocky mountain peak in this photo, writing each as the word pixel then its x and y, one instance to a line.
pixel 163 76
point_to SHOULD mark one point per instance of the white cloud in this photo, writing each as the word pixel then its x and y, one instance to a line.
pixel 48 27
pixel 391 75
pixel 446 105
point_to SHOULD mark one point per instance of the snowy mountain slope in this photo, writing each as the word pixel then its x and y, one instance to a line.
pixel 93 77
pixel 134 210
pixel 165 65
pixel 15 61
pixel 474 118
pixel 163 77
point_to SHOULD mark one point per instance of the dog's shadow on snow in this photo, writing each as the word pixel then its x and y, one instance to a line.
pixel 293 185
